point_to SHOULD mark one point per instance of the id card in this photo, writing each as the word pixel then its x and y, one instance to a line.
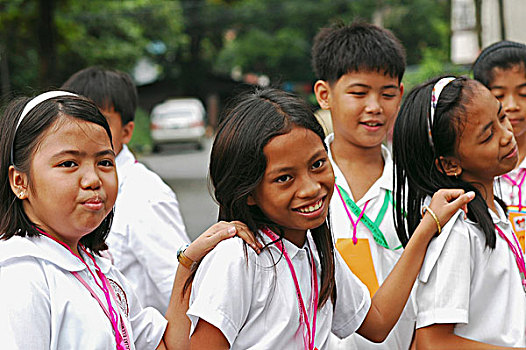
pixel 359 259
pixel 518 222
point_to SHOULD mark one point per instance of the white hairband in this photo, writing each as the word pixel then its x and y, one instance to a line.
pixel 435 94
pixel 32 104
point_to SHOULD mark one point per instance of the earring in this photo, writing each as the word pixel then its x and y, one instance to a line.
pixel 456 175
pixel 21 194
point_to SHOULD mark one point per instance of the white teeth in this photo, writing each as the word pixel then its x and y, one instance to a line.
pixel 311 208
pixel 372 124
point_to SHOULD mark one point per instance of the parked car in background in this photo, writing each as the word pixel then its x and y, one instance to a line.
pixel 178 120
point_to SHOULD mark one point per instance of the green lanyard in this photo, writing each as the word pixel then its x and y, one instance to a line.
pixel 378 236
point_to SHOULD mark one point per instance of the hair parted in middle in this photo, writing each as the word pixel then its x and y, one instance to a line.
pixel 237 164
pixel 503 55
pixel 416 170
pixel 360 46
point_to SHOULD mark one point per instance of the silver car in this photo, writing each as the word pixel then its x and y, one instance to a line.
pixel 178 120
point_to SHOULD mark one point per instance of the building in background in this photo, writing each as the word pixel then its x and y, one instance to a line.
pixel 476 24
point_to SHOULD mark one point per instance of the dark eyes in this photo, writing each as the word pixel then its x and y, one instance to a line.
pixel 283 178
pixel 106 163
pixel 318 164
pixel 67 164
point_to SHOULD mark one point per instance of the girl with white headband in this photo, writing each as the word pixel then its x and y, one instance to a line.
pixel 58 185
pixel 471 291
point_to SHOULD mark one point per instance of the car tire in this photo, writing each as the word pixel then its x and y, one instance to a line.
pixel 156 149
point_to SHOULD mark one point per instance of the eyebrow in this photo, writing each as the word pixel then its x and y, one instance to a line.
pixel 502 87
pixel 370 87
pixel 287 169
pixel 82 153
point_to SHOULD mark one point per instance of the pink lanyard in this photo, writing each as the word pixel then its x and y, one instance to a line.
pixel 517 252
pixel 513 182
pixel 110 313
pixel 354 224
pixel 308 338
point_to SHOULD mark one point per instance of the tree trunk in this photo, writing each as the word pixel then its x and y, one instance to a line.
pixel 46 43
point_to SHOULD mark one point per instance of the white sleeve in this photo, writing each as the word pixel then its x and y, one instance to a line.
pixel 444 281
pixel 352 300
pixel 154 239
pixel 222 289
pixel 25 311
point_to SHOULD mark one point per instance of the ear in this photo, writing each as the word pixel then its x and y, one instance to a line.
pixel 401 90
pixel 451 166
pixel 322 92
pixel 251 200
pixel 127 132
pixel 19 182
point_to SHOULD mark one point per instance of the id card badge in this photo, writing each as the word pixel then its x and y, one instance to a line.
pixel 359 259
pixel 518 222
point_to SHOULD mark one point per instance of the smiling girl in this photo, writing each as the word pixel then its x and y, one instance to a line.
pixel 453 133
pixel 270 170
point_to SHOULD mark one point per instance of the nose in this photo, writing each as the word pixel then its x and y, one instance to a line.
pixel 507 133
pixel 309 187
pixel 373 105
pixel 90 179
pixel 510 104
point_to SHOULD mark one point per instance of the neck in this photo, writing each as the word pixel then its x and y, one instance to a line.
pixel 296 237
pixel 486 190
pixel 521 144
pixel 361 166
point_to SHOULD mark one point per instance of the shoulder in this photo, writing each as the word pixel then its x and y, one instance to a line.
pixel 453 243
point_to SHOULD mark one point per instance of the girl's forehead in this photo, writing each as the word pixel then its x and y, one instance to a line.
pixel 70 130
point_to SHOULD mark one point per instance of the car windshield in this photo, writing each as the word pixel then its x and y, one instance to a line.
pixel 175 114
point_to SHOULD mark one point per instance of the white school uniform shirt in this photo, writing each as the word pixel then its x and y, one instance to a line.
pixel 252 300
pixel 508 192
pixel 477 288
pixel 44 306
pixel 383 259
pixel 146 233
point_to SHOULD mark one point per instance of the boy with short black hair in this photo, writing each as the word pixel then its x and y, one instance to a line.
pixel 359 68
pixel 147 228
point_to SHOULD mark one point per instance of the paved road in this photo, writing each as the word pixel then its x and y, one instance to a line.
pixel 185 170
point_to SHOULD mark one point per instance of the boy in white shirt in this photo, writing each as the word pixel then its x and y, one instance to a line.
pixel 147 228
pixel 360 69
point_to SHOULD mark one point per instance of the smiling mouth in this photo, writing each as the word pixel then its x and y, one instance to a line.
pixel 311 208
pixel 511 153
pixel 372 124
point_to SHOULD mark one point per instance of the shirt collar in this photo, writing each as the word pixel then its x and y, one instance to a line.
pixel 44 248
pixel 385 181
pixel 124 159
pixel 292 249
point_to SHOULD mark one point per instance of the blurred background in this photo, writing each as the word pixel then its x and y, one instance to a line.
pixel 211 49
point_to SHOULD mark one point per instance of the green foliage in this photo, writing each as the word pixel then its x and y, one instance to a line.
pixel 141 140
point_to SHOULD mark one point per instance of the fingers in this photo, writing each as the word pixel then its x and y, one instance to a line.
pixel 246 235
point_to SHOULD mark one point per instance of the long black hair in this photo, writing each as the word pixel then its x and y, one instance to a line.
pixel 416 169
pixel 237 164
pixel 23 143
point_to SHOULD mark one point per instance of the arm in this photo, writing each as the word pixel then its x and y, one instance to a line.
pixel 177 332
pixel 441 336
pixel 388 302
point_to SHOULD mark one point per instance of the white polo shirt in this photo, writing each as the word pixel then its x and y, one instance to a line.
pixel 509 192
pixel 146 233
pixel 44 306
pixel 252 299
pixel 383 259
pixel 477 288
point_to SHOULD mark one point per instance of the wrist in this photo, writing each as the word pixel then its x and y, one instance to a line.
pixel 184 259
